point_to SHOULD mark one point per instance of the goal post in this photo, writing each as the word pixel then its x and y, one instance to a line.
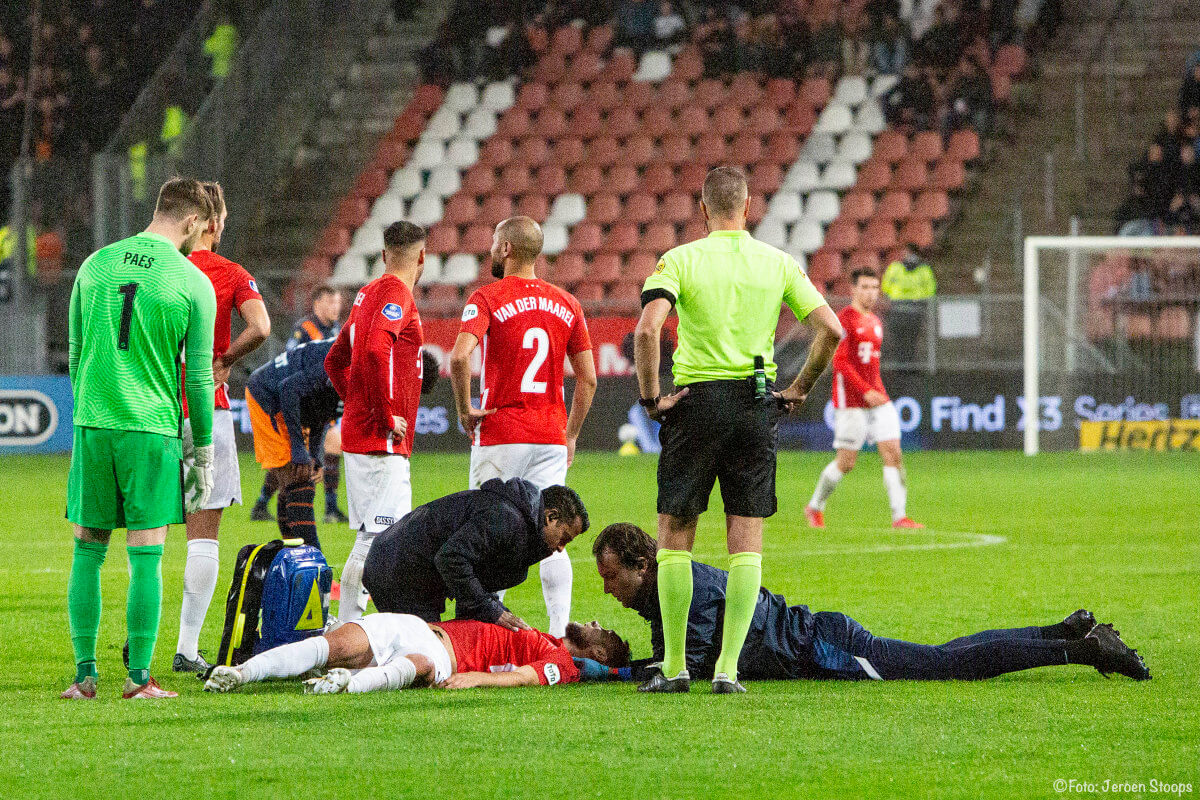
pixel 1115 311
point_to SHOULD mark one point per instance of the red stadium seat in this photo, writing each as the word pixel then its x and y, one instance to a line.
pixel 931 204
pixel 948 175
pixel 460 209
pixel 550 68
pixel 711 149
pixel 673 94
pixel 566 40
pixel 658 179
pixel 390 154
pixel 842 234
pixel 533 151
pixel 443 295
pixel 598 39
pixel 604 95
pixel 727 120
pixel 926 146
pixel 1010 60
pixel 691 177
pixel 691 121
pixel 858 206
pixel 1139 326
pixel 588 292
pixel 622 238
pixel 317 267
pixel 533 96
pixel 477 239
pixel 550 179
pixel 779 93
pixel 873 176
pixel 568 268
pixel 1001 88
pixel 894 205
pixel 745 90
pixel 799 119
pixel 352 212
pixel 1173 323
pixel 824 266
pixel 605 268
pixel 693 230
pixel 371 183
pixel 910 175
pixel 586 122
pixel 639 96
pixel 496 152
pixel 604 151
pixel 534 205
pixel 638 151
pixel 566 95
pixel 765 179
pixel 586 237
pixel 688 65
pixel 747 149
pixel 890 146
pixel 479 180
pixel 640 266
pixel 604 209
pixel 657 122
pixel 758 209
pixel 621 66
pixel 567 152
pixel 550 123
pixel 333 242
pixel 408 127
pixel 815 92
pixel 426 99
pixel 622 122
pixel 963 145
pixel 862 259
pixel 880 234
pixel 762 120
pixel 710 93
pixel 496 208
pixel 676 149
pixel 586 179
pixel 622 179
pixel 917 232
pixel 639 208
pixel 514 179
pixel 660 237
pixel 625 293
pixel 783 148
pixel 442 239
pixel 585 67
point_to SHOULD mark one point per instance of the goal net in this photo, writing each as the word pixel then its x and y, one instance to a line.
pixel 1111 343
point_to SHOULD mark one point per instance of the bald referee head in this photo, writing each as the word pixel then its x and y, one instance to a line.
pixel 725 199
pixel 516 244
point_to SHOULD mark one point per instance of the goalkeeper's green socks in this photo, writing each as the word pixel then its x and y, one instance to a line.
pixel 741 595
pixel 674 601
pixel 143 608
pixel 83 605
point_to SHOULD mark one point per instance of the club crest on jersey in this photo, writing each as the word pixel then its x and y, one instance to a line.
pixel 253 285
pixel 660 266
pixel 392 311
pixel 552 674
pixel 470 312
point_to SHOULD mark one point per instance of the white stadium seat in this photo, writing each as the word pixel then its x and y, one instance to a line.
pixel 433 270
pixel 554 238
pixel 655 66
pixel 820 147
pixel 462 153
pixel 480 124
pixel 427 154
pixel 460 269
pixel 375 267
pixel 406 183
pixel 387 209
pixel 368 239
pixel 835 119
pixel 461 97
pixel 883 84
pixel 771 231
pixel 822 207
pixel 838 175
pixel 785 206
pixel 350 270
pixel 444 180
pixel 802 177
pixel 870 119
pixel 568 209
pixel 498 96
pixel 426 209
pixel 851 90
pixel 854 147
pixel 807 237
pixel 444 124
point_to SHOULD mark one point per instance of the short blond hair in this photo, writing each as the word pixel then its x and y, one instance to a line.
pixel 525 236
pixel 725 192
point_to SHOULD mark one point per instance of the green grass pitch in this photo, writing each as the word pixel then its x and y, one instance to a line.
pixel 1013 541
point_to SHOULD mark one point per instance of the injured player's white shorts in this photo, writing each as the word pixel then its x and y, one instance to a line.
pixel 541 464
pixel 378 491
pixel 227 477
pixel 854 427
pixel 394 636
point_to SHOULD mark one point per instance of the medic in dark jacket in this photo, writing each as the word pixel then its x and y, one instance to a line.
pixel 468 546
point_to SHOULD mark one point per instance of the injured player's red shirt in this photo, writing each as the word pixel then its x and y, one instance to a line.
pixel 485 647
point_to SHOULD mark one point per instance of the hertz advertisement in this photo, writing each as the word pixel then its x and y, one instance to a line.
pixel 1157 434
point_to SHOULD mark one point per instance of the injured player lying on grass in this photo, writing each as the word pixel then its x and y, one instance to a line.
pixel 397 651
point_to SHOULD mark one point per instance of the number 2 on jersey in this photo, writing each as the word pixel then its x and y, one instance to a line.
pixel 128 290
pixel 539 339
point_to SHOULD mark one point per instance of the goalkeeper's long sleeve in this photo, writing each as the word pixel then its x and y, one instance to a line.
pixel 198 348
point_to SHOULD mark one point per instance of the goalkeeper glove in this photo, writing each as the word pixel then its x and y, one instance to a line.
pixel 199 483
pixel 593 671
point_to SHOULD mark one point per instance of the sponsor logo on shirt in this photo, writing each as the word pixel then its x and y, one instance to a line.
pixel 385 520
pixel 253 285
pixel 470 312
pixel 392 311
pixel 551 673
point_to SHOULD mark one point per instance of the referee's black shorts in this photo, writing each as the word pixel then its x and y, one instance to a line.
pixel 719 432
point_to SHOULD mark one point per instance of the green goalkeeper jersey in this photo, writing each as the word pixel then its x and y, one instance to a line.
pixel 137 306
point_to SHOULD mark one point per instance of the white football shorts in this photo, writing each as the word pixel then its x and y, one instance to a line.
pixel 394 636
pixel 227 477
pixel 541 464
pixel 378 490
pixel 854 427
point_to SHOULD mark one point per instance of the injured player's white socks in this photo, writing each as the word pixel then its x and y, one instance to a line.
pixel 557 579
pixel 199 581
pixel 287 661
pixel 897 492
pixel 830 477
pixel 396 674
pixel 354 600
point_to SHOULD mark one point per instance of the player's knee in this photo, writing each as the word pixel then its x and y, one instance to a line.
pixel 424 667
pixel 846 460
pixel 348 647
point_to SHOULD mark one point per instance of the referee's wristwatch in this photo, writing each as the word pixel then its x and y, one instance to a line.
pixel 651 403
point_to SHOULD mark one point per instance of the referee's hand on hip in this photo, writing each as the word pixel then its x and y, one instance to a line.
pixel 665 404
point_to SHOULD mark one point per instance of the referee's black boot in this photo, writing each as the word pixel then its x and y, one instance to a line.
pixel 723 684
pixel 661 684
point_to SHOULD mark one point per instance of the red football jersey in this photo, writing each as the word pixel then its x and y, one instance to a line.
pixel 528 328
pixel 375 365
pixel 856 362
pixel 484 647
pixel 233 286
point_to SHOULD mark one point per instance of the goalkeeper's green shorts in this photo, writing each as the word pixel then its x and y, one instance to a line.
pixel 125 479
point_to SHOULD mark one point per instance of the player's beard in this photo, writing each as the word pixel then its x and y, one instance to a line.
pixel 497 268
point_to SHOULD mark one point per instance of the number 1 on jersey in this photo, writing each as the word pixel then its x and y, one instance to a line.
pixel 539 339
pixel 128 290
pixel 864 351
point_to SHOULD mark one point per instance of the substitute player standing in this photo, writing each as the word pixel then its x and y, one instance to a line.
pixel 728 290
pixel 862 410
pixel 135 306
pixel 528 328
pixel 235 289
pixel 376 366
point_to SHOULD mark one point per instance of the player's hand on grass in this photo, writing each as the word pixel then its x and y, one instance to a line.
pixel 790 400
pixel 399 426
pixel 462 680
pixel 511 621
pixel 665 404
pixel 874 398
pixel 220 371
pixel 471 418
pixel 199 482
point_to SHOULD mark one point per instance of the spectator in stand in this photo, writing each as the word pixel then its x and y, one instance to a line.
pixel 1183 211
pixel 437 59
pixel 825 48
pixel 633 26
pixel 1187 171
pixel 1170 134
pixel 970 100
pixel 856 48
pixel 910 104
pixel 669 26
pixel 1135 216
pixel 1189 92
pixel 12 103
pixel 777 60
pixel 1153 174
pixel 719 48
pixel 890 46
pixel 941 46
pixel 508 52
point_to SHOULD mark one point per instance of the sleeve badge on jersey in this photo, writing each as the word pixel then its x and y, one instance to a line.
pixel 393 311
pixel 470 312
pixel 253 285
pixel 552 674
pixel 660 266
